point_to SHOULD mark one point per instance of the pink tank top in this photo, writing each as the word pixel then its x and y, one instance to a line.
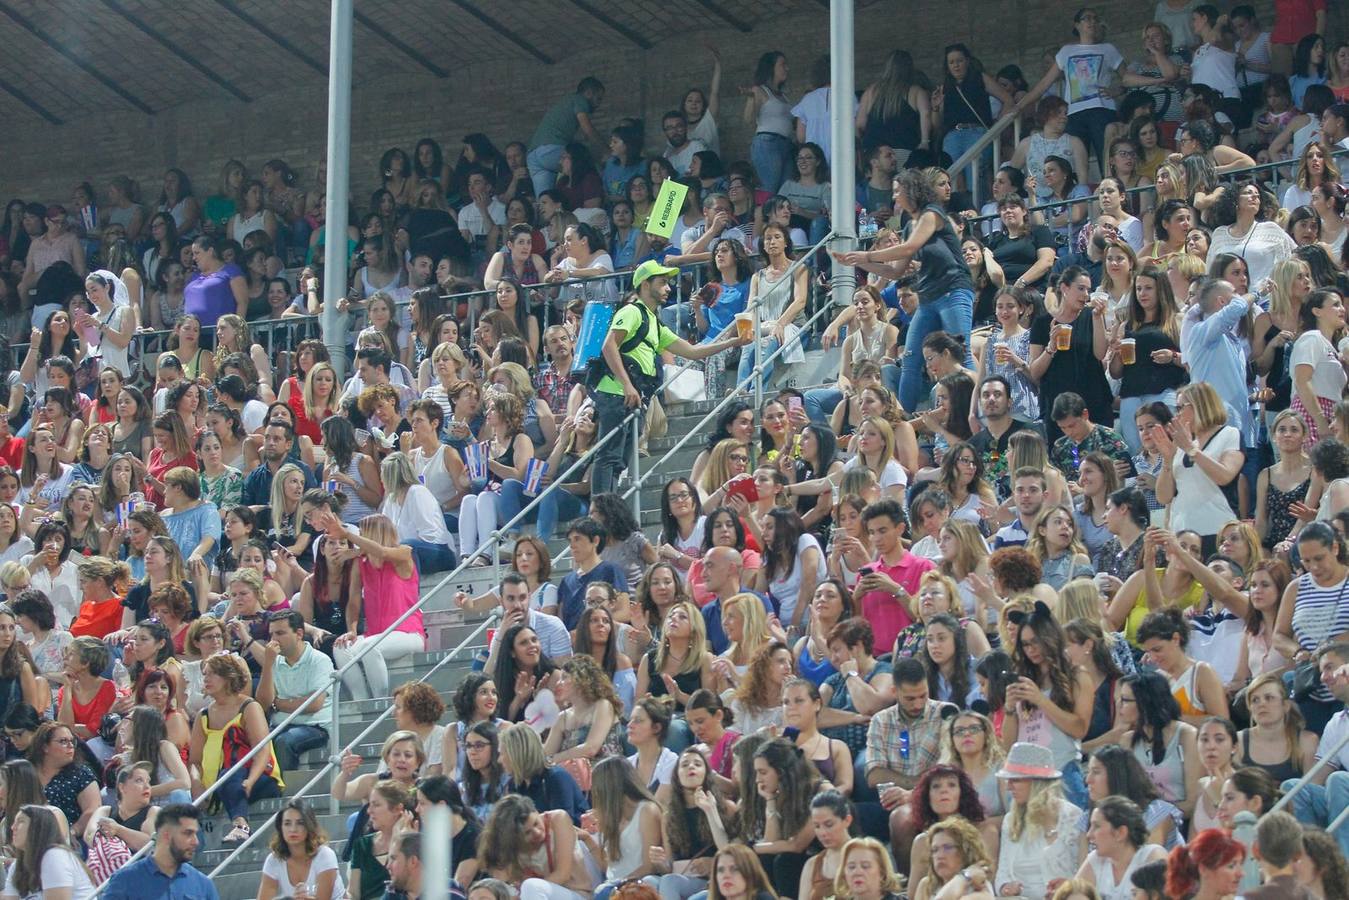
pixel 387 596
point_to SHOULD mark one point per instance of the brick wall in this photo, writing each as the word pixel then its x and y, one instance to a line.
pixel 504 100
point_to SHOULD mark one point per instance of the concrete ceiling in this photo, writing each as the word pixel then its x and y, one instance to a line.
pixel 65 59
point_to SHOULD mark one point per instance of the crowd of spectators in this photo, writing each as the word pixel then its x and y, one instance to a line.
pixel 1041 595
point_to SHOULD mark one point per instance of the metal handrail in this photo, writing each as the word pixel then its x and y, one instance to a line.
pixel 990 135
pixel 319 775
pixel 328 766
pixel 1143 189
pixel 735 392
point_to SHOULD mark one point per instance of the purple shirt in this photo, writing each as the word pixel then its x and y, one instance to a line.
pixel 208 297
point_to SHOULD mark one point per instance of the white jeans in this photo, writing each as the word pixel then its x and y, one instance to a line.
pixel 370 677
pixel 542 889
pixel 477 521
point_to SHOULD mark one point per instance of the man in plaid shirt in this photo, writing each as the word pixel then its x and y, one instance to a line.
pixel 1082 436
pixel 904 740
pixel 554 382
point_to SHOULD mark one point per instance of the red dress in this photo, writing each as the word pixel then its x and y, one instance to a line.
pixel 303 424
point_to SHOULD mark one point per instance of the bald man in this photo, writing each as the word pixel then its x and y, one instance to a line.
pixel 722 569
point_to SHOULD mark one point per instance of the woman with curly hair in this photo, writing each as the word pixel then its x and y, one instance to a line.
pixel 758 699
pixel 696 820
pixel 955 847
pixel 590 726
pixel 775 818
pixel 1322 867
pixel 942 793
pixel 1247 229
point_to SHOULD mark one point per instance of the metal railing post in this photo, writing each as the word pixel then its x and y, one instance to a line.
pixel 634 455
pixel 334 742
pixel 758 358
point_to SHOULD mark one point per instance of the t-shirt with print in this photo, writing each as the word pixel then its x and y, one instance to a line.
pixel 1086 69
pixel 628 320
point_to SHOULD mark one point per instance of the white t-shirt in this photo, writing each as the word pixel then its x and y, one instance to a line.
pixel 892 474
pixel 434 747
pixel 1312 349
pixel 602 261
pixel 1296 196
pixel 1200 504
pixel 706 131
pixel 1216 68
pixel 786 589
pixel 1086 69
pixel 60 869
pixel 682 158
pixel 1331 736
pixel 274 867
pixel 471 220
pixel 813 110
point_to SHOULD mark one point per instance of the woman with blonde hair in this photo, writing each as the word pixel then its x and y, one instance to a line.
pixel 537 418
pixel 1276 741
pixel 1041 832
pixel 957 853
pixel 938 594
pixel 875 450
pixel 745 622
pixel 386 586
pixel 1056 543
pixel 415 515
pixel 970 742
pixel 1205 459
pixel 1287 481
pixel 681 662
pixel 401 758
pixel 965 560
pixel 1080 598
pixel 322 398
pixel 865 872
pixel 727 459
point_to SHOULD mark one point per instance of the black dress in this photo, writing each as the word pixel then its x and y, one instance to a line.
pixel 1076 369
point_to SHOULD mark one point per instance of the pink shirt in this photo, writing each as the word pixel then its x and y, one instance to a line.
pixel 386 596
pixel 888 616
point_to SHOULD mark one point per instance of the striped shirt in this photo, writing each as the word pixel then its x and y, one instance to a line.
pixel 1318 615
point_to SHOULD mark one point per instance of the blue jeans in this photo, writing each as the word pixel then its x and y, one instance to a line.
pixel 235 801
pixel 952 313
pixel 1075 786
pixel 749 353
pixel 1128 409
pixel 957 142
pixel 431 557
pixel 770 154
pixel 820 404
pixel 296 739
pixel 544 163
pixel 556 507
pixel 678 317
pixel 1319 805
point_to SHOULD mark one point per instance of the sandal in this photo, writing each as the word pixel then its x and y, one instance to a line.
pixel 237 836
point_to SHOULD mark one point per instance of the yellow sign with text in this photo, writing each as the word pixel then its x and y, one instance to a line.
pixel 665 211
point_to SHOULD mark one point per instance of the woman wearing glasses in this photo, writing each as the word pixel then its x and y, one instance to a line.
pixel 68 784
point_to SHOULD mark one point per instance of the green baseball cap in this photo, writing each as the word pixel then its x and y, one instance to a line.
pixel 650 269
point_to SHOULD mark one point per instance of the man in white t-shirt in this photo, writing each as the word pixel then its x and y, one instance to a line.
pixel 679 149
pixel 1321 801
pixel 480 222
